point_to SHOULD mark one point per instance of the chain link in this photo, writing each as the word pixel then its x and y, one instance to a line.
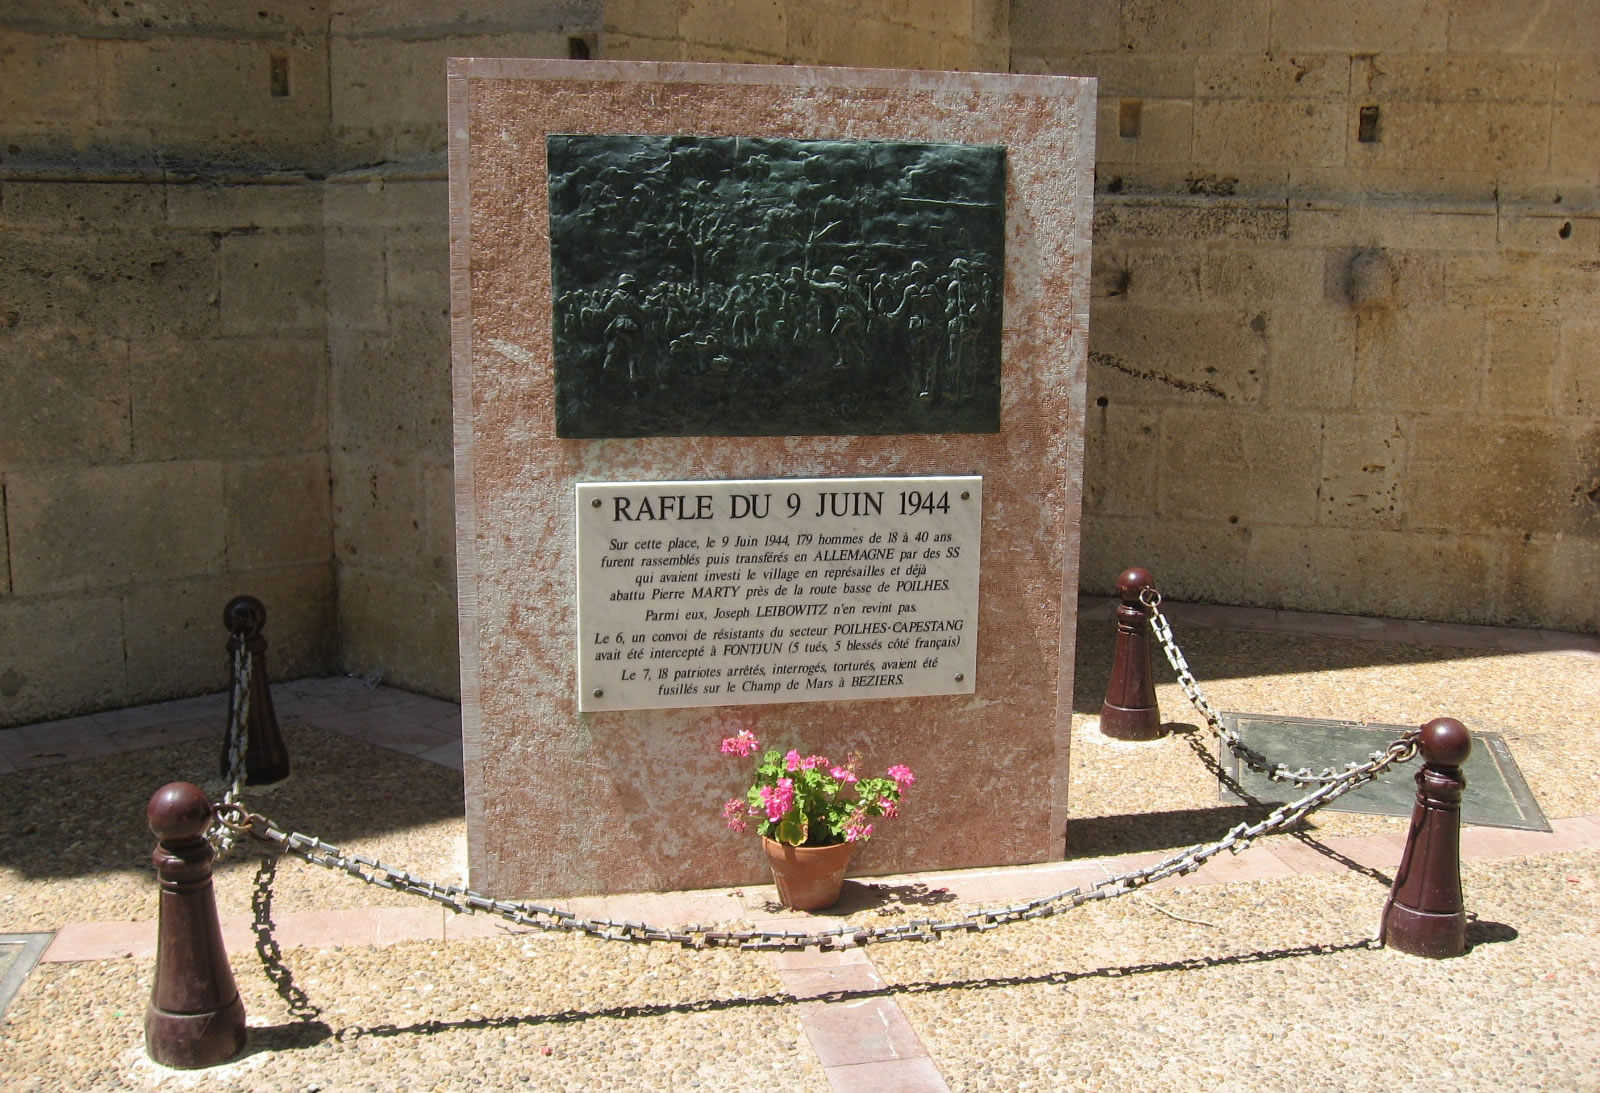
pixel 222 836
pixel 233 820
pixel 1277 772
pixel 524 913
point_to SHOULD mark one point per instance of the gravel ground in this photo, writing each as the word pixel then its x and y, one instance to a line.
pixel 1271 985
pixel 1543 704
pixel 62 864
pixel 1268 985
pixel 500 1013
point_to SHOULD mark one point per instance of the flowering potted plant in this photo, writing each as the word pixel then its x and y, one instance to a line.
pixel 810 813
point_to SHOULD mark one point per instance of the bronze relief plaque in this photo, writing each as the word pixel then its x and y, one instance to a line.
pixel 744 286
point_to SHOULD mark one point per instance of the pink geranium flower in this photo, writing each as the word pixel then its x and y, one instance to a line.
pixel 778 798
pixel 742 745
pixel 785 802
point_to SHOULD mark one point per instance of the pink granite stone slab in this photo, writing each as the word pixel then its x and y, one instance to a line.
pixel 560 803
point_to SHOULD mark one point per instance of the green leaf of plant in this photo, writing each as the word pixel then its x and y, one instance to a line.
pixel 792 828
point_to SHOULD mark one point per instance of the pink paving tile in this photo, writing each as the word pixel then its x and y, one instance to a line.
pixel 362 697
pixel 427 711
pixel 895 1076
pixel 101 941
pixel 1009 885
pixel 1373 851
pixel 364 926
pixel 446 755
pixel 385 732
pixel 55 742
pixel 810 959
pixel 812 982
pixel 171 732
pixel 1576 832
pixel 460 926
pixel 1303 858
pixel 869 1030
pixel 1252 864
pixel 162 713
pixel 1501 842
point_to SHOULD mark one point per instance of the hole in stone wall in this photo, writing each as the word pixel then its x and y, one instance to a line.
pixel 1565 231
pixel 1129 115
pixel 1367 127
pixel 577 49
pixel 278 75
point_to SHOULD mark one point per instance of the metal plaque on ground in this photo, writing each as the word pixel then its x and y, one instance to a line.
pixel 1496 794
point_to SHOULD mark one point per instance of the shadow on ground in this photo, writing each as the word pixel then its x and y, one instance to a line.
pixel 310 1033
pixel 1233 654
pixel 88 817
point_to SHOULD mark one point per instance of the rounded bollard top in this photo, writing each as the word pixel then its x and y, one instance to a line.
pixel 179 811
pixel 1445 742
pixel 244 615
pixel 1134 581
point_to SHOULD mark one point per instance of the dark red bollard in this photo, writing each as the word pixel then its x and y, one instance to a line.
pixel 266 758
pixel 1425 915
pixel 195 1016
pixel 1130 711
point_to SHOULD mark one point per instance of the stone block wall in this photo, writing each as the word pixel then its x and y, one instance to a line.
pixel 1347 265
pixel 223 338
pixel 965 35
pixel 163 360
pixel 1347 261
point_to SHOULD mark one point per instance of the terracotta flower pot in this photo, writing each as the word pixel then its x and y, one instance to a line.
pixel 809 878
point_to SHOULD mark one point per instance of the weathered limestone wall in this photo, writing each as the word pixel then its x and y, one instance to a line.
pixel 223 359
pixel 388 311
pixel 222 307
pixel 965 35
pixel 163 363
pixel 1343 365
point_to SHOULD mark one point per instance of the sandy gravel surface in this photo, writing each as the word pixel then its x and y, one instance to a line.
pixel 1543 703
pixel 1271 985
pixel 1266 985
pixel 502 1013
pixel 75 847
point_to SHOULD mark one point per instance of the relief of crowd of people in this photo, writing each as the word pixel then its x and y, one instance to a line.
pixel 856 321
pixel 766 272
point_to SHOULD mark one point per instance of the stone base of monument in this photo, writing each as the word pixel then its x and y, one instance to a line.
pixel 769 394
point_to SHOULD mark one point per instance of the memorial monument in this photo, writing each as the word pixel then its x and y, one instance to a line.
pixel 769 413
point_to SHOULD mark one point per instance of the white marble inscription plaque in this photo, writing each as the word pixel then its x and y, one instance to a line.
pixel 732 592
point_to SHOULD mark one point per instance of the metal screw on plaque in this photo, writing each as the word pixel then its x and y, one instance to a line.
pixel 266 758
pixel 1130 711
pixel 195 1017
pixel 1425 914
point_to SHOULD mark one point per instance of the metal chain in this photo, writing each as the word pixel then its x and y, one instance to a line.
pixel 524 913
pixel 222 836
pixel 1277 772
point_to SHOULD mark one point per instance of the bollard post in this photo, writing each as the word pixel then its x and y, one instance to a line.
pixel 1130 711
pixel 266 758
pixel 1425 914
pixel 195 1017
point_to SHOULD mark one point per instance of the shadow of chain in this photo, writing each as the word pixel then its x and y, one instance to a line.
pixel 1191 736
pixel 267 948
